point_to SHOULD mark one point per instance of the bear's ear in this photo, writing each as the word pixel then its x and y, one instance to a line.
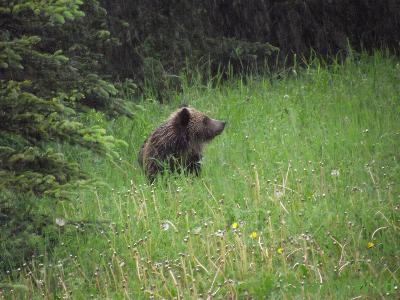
pixel 183 117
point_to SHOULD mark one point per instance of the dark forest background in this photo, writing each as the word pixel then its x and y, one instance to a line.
pixel 150 42
pixel 59 59
pixel 162 36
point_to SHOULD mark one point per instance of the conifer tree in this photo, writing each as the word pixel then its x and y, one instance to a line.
pixel 42 94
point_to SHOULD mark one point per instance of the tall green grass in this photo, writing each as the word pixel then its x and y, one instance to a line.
pixel 298 198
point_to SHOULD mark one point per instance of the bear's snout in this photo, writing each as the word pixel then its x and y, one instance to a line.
pixel 223 123
pixel 218 126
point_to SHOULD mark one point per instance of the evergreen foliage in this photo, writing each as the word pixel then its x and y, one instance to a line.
pixel 43 88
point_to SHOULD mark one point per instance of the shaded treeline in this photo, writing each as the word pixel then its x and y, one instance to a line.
pixel 159 38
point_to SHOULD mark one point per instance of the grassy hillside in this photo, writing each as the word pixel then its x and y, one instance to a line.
pixel 298 198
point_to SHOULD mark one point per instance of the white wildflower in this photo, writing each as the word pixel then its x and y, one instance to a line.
pixel 60 222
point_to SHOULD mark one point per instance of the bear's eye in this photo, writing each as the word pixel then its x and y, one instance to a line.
pixel 205 120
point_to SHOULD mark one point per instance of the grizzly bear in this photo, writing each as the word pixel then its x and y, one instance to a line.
pixel 178 143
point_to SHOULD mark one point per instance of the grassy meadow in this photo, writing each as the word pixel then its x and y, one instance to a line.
pixel 299 198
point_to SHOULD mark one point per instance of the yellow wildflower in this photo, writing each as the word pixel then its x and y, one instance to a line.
pixel 235 225
pixel 370 245
pixel 253 235
pixel 279 250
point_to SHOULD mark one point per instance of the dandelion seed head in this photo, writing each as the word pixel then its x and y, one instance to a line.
pixel 219 233
pixel 60 222
pixel 196 230
pixel 278 194
pixel 335 173
pixel 164 226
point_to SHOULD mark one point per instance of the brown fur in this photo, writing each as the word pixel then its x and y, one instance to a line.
pixel 178 143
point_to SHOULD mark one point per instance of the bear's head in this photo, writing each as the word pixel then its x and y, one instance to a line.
pixel 199 127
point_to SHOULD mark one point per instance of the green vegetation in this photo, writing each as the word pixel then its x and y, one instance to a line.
pixel 162 40
pixel 298 198
pixel 45 84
